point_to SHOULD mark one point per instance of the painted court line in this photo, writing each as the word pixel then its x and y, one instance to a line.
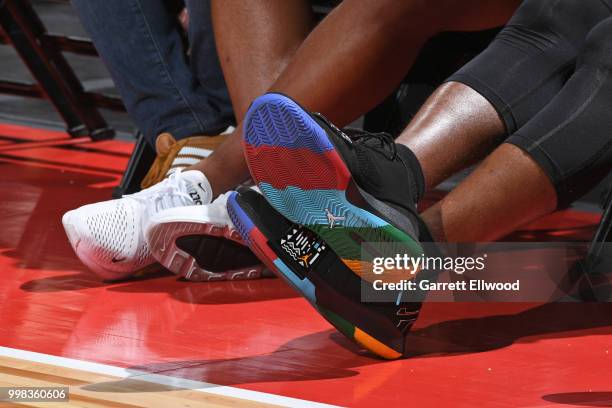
pixel 197 386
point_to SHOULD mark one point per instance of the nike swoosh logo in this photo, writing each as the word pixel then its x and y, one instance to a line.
pixel 201 187
pixel 117 260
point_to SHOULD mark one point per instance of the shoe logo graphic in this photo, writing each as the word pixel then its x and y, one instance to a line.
pixel 345 137
pixel 333 219
pixel 305 258
pixel 195 197
pixel 406 318
pixel 303 247
pixel 201 187
pixel 406 312
pixel 117 260
pixel 341 133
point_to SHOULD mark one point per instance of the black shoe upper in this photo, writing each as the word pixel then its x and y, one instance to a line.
pixel 384 169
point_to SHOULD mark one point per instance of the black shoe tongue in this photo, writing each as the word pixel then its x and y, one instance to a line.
pixel 198 187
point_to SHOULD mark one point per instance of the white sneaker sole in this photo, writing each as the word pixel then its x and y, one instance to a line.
pixel 162 238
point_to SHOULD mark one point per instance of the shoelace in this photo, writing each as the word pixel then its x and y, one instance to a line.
pixel 169 193
pixel 385 141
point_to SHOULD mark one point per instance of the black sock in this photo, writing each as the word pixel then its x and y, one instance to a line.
pixel 417 182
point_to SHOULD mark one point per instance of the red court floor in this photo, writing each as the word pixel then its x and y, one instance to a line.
pixel 259 335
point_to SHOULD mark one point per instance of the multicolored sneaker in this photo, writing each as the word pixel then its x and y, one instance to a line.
pixel 349 190
pixel 308 264
pixel 201 244
pixel 173 155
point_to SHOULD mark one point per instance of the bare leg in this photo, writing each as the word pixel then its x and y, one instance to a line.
pixel 338 69
pixel 455 128
pixel 360 53
pixel 506 191
pixel 256 39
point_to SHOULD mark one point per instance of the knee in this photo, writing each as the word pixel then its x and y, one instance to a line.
pixel 597 50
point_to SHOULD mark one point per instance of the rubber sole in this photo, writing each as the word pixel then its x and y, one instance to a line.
pixel 163 240
pixel 258 243
pixel 303 177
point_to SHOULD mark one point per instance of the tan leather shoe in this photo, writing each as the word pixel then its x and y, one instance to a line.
pixel 173 155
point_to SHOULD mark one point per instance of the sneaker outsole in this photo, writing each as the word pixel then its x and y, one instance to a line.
pixel 258 243
pixel 184 264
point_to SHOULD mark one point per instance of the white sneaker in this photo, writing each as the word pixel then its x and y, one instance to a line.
pixel 108 237
pixel 200 243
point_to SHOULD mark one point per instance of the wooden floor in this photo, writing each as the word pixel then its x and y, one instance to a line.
pixel 161 341
pixel 88 389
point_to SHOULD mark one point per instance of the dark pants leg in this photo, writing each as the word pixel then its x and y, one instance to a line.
pixel 204 61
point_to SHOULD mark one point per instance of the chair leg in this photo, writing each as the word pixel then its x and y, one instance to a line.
pixel 602 235
pixel 139 164
pixel 592 274
pixel 48 66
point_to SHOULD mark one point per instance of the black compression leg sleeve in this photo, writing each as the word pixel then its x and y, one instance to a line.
pixel 571 138
pixel 532 57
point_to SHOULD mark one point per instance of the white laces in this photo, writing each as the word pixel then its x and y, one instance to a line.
pixel 170 193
